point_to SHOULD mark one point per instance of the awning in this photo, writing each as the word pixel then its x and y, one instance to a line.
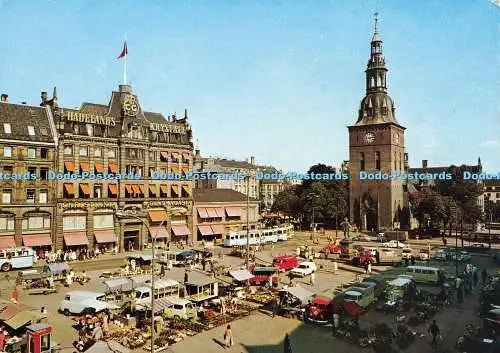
pixel 186 155
pixel 181 230
pixel 241 275
pixel 113 189
pixel 84 167
pixel 113 168
pixel 186 189
pixel 107 347
pixel 76 238
pixel 99 167
pixel 175 170
pixel 175 189
pixel 70 189
pixel 122 284
pixel 136 189
pixel 129 189
pixel 37 240
pixel 217 229
pixel 234 211
pixel 160 305
pixel 212 213
pixel 153 190
pixel 159 232
pixel 105 236
pixel 69 166
pixel 220 211
pixel 22 318
pixel 185 170
pixel 205 230
pixel 299 293
pixel 175 155
pixel 157 216
pixel 164 155
pixel 85 189
pixel 7 241
pixel 56 268
pixel 142 189
pixel 202 212
pixel 164 189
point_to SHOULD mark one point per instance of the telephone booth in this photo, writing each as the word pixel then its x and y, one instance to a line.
pixel 39 338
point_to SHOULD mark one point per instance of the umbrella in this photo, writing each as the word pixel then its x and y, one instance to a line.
pixel 287 344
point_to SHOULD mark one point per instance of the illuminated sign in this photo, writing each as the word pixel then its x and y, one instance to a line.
pixel 90 118
pixel 176 129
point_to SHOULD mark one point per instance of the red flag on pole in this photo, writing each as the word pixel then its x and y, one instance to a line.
pixel 124 51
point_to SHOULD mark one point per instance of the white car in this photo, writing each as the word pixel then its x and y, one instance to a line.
pixel 304 269
pixel 394 244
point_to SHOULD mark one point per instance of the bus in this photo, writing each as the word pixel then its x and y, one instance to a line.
pixel 14 258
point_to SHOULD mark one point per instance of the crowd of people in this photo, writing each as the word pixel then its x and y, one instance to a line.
pixel 74 254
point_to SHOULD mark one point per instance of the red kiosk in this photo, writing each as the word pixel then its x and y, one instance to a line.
pixel 39 338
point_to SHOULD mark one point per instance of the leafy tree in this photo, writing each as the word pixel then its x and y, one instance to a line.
pixel 288 202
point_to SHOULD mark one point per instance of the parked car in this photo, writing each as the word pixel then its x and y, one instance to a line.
pixel 285 263
pixel 479 245
pixel 465 256
pixel 332 249
pixel 186 255
pixel 394 244
pixel 304 269
pixel 424 254
pixel 441 255
pixel 407 253
pixel 381 237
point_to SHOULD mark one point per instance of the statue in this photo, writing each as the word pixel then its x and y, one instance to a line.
pixel 346 226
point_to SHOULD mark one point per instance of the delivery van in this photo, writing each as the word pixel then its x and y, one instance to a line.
pixel 284 263
pixel 425 274
pixel 78 302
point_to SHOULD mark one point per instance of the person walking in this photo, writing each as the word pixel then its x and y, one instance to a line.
pixel 335 267
pixel 162 271
pixel 312 279
pixel 484 275
pixel 434 331
pixel 228 337
pixel 366 267
pixel 186 278
pixel 369 267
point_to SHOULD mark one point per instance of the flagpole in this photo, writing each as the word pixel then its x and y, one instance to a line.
pixel 125 65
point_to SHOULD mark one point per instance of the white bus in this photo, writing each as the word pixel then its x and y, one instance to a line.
pixel 14 258
pixel 258 236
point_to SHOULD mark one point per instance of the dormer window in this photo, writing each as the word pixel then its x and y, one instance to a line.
pixel 31 130
pixel 384 110
pixel 6 128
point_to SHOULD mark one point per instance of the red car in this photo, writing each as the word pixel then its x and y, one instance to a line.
pixel 332 249
pixel 262 274
pixel 320 311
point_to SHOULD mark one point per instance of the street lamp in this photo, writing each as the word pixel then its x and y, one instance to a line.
pixel 153 243
pixel 312 196
pixel 248 223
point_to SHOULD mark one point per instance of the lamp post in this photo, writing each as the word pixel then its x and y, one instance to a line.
pixel 312 196
pixel 153 254
pixel 248 223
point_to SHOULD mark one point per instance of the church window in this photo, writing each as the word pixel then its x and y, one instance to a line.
pixel 372 82
pixel 377 160
pixel 362 161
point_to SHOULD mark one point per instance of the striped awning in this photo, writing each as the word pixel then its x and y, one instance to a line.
pixel 217 229
pixel 202 212
pixel 234 211
pixel 157 216
pixel 205 230
pixel 181 230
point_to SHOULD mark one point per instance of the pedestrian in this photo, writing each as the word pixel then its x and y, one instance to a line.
pixel 460 295
pixel 274 306
pixel 412 260
pixel 228 337
pixel 335 267
pixel 185 276
pixel 484 275
pixel 312 279
pixel 434 331
pixel 203 263
pixel 43 310
pixel 474 277
pixel 162 271
pixel 14 296
pixel 369 269
pixel 290 275
pixel 366 267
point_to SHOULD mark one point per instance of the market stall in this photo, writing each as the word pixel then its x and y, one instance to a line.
pixel 293 300
pixel 200 290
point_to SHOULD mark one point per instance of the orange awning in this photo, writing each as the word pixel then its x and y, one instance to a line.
pixel 164 189
pixel 70 189
pixel 113 189
pixel 153 189
pixel 186 155
pixel 158 216
pixel 175 155
pixel 113 168
pixel 164 155
pixel 202 211
pixel 69 166
pixel 142 189
pixel 99 167
pixel 75 238
pixel 129 189
pixel 37 240
pixel 185 170
pixel 158 232
pixel 85 189
pixel 7 241
pixel 175 170
pixel 187 189
pixel 205 230
pixel 105 236
pixel 85 167
pixel 175 189
pixel 136 189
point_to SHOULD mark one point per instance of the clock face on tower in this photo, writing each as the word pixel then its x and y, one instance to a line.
pixel 396 138
pixel 369 137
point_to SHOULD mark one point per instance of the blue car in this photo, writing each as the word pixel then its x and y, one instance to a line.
pixel 186 255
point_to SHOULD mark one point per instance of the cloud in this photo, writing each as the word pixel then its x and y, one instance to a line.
pixel 490 143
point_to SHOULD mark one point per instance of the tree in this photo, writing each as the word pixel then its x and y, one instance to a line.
pixel 288 202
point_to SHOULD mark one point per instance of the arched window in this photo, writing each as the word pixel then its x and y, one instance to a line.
pixel 362 161
pixel 377 160
pixel 395 161
pixel 372 82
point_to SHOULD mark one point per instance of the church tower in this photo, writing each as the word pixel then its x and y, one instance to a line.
pixel 376 147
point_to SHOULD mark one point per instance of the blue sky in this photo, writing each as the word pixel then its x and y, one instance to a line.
pixel 279 80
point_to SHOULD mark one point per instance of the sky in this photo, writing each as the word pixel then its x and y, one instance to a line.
pixel 278 80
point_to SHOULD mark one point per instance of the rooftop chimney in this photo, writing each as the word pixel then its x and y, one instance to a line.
pixel 5 98
pixel 424 163
pixel 252 160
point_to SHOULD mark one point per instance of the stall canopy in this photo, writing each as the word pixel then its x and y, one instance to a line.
pixel 107 347
pixel 399 282
pixel 105 236
pixel 75 239
pixel 181 230
pixel 7 241
pixel 58 267
pixel 23 318
pixel 159 305
pixel 37 240
pixel 299 293
pixel 119 284
pixel 141 257
pixel 241 275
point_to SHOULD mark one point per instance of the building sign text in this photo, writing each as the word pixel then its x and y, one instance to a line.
pixel 87 205
pixel 176 129
pixel 90 118
pixel 171 203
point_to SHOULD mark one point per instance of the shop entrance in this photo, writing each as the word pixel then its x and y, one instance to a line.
pixel 131 240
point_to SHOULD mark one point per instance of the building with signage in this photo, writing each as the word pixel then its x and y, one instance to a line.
pixel 216 212
pixel 28 146
pixel 128 160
